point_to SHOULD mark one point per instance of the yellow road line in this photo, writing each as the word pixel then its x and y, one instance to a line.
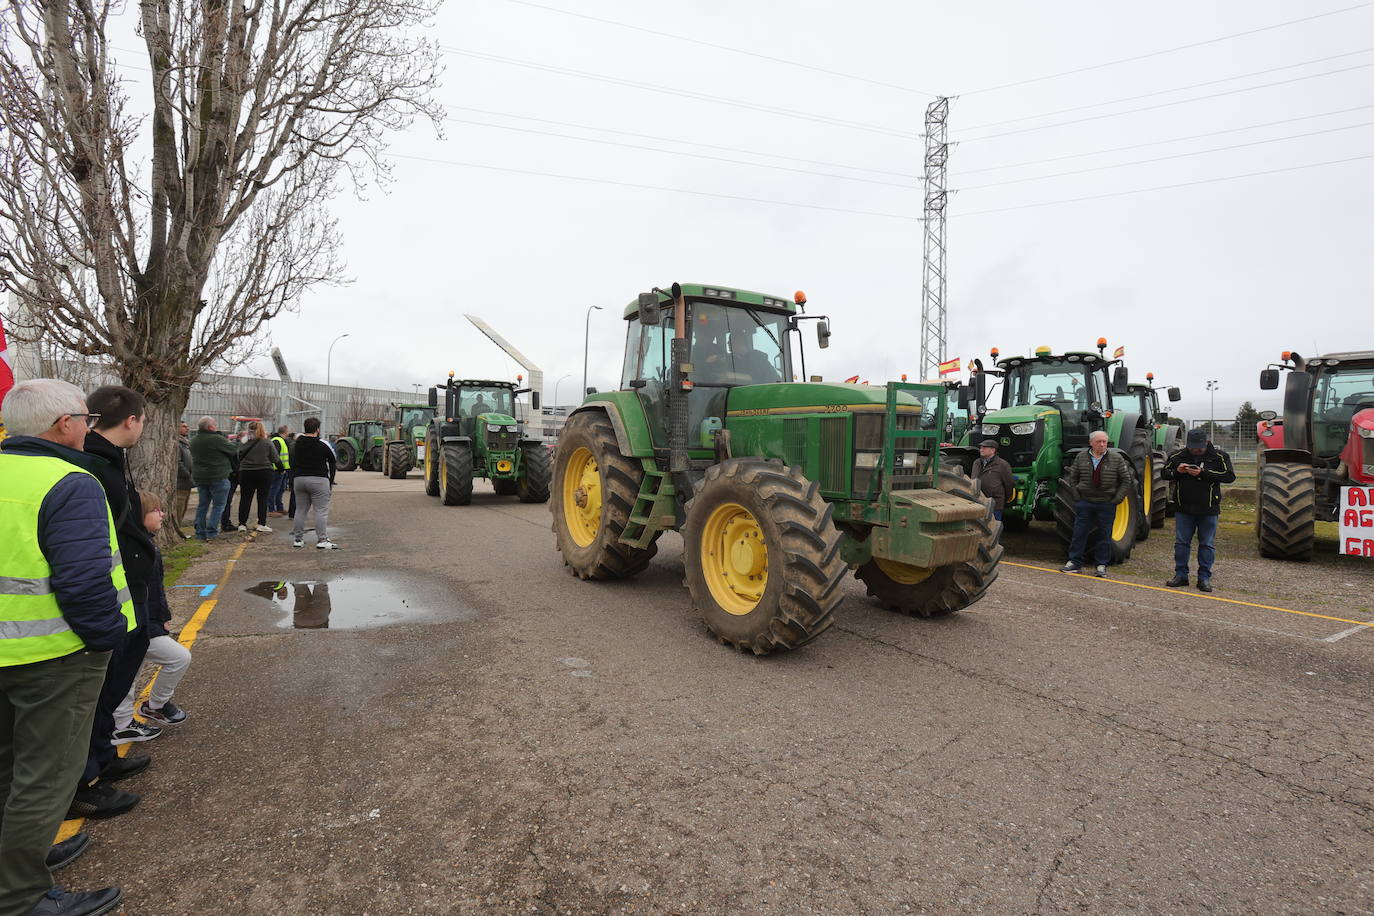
pixel 1173 591
pixel 187 637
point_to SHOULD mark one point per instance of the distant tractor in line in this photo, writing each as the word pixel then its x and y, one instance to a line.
pixel 475 434
pixel 1324 441
pixel 1168 438
pixel 361 446
pixel 405 439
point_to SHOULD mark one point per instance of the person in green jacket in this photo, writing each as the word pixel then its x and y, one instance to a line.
pixel 212 461
pixel 1101 478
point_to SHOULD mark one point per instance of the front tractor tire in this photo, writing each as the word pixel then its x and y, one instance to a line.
pixel 1286 511
pixel 762 555
pixel 431 467
pixel 373 460
pixel 397 460
pixel 455 473
pixel 536 470
pixel 1141 455
pixel 594 488
pixel 1159 490
pixel 347 459
pixel 940 591
pixel 1125 524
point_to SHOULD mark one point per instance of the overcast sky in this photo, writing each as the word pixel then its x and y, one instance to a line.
pixel 1204 282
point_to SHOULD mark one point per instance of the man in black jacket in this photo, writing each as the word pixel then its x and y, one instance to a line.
pixel 1197 471
pixel 120 426
pixel 312 473
pixel 994 476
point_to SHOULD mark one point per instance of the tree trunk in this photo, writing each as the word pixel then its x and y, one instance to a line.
pixel 154 458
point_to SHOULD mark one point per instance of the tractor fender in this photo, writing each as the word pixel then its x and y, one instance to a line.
pixel 523 442
pixel 622 438
pixel 462 440
pixel 1285 456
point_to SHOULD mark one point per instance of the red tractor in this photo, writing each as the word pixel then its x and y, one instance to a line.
pixel 1323 442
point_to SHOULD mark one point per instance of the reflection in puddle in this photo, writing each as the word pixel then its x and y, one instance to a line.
pixel 346 603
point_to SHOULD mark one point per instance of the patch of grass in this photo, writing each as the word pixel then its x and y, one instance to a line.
pixel 175 559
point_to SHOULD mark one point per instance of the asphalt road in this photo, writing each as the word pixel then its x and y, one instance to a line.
pixel 501 737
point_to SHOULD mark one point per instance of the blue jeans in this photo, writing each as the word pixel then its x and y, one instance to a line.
pixel 1205 527
pixel 274 503
pixel 209 507
pixel 1088 516
pixel 997 514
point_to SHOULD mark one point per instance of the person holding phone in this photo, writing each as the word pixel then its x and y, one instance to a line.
pixel 1197 472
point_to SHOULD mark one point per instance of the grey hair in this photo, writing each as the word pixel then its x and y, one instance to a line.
pixel 204 423
pixel 33 406
pixel 1097 432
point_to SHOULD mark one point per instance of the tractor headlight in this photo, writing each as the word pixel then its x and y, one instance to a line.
pixel 1023 429
pixel 1367 433
pixel 908 459
pixel 990 429
pixel 866 460
pixel 494 427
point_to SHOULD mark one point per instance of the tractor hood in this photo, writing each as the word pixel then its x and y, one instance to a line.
pixel 807 397
pixel 1358 454
pixel 496 419
pixel 1024 413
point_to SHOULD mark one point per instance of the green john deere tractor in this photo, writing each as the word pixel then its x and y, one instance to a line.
pixel 477 435
pixel 405 439
pixel 1050 404
pixel 362 446
pixel 1168 438
pixel 777 487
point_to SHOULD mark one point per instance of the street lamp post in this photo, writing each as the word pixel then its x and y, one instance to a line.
pixel 328 375
pixel 586 337
pixel 555 388
pixel 329 357
pixel 1212 386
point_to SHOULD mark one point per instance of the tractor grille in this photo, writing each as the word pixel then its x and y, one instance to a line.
pixel 834 452
pixel 1019 451
pixel 794 442
pixel 1368 458
pixel 503 441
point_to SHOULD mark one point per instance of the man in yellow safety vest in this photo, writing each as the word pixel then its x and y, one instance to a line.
pixel 283 444
pixel 64 604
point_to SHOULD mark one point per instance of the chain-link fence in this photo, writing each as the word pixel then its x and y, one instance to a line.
pixel 1239 440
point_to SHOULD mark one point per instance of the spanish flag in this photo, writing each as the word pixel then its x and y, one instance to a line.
pixel 852 380
pixel 948 366
pixel 1119 352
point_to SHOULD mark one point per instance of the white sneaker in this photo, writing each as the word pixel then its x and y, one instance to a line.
pixel 243 527
pixel 297 542
pixel 264 529
pixel 326 544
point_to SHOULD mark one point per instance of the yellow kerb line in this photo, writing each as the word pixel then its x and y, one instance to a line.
pixel 1171 591
pixel 187 637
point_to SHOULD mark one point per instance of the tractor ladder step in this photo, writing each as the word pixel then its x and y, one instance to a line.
pixel 654 509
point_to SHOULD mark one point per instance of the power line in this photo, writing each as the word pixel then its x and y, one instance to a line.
pixel 674 152
pixel 720 47
pixel 1157 92
pixel 695 142
pixel 1195 44
pixel 1148 143
pixel 684 93
pixel 654 187
pixel 1165 187
pixel 1203 152
pixel 1200 98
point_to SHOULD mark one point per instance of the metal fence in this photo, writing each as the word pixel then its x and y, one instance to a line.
pixel 1238 440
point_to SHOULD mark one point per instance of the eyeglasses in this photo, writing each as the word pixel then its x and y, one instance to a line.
pixel 91 418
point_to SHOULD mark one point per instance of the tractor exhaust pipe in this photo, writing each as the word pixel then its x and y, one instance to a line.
pixel 680 387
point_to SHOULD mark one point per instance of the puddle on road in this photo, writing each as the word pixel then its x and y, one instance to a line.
pixel 353 602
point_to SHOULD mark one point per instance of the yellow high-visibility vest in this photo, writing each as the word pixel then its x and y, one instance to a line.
pixel 32 628
pixel 284 451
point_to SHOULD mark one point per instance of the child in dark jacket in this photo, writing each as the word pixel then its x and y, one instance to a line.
pixel 163 649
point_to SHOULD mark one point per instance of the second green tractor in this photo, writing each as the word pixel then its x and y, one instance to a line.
pixel 475 434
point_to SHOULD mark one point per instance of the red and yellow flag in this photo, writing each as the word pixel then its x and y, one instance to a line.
pixel 949 365
pixel 1119 352
pixel 852 380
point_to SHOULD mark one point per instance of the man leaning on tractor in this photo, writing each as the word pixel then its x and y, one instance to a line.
pixel 1101 479
pixel 1198 470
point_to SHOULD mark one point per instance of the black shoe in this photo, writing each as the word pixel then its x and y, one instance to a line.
pixel 1177 581
pixel 100 801
pixel 124 767
pixel 62 854
pixel 58 902
pixel 1204 585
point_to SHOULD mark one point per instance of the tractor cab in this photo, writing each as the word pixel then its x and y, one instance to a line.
pixel 1144 399
pixel 240 425
pixel 405 439
pixel 368 432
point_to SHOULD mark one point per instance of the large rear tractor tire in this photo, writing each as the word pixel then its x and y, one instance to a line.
pixel 942 590
pixel 455 473
pixel 346 455
pixel 1286 511
pixel 373 460
pixel 594 488
pixel 431 467
pixel 1143 467
pixel 762 555
pixel 397 460
pixel 532 486
pixel 1124 526
pixel 1159 490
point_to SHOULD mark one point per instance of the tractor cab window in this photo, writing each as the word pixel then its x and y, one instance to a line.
pixel 1071 388
pixel 1339 395
pixel 646 359
pixel 475 401
pixel 738 345
pixel 412 417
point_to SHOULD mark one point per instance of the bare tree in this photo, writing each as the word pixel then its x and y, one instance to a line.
pixel 163 243
pixel 258 404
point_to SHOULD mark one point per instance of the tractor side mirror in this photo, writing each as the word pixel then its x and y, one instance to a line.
pixel 980 389
pixel 1120 381
pixel 1175 394
pixel 433 397
pixel 591 389
pixel 650 313
pixel 1267 415
pixel 965 392
pixel 823 333
pixel 534 400
pixel 1269 379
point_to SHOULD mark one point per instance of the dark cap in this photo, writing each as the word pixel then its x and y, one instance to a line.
pixel 1197 437
pixel 988 443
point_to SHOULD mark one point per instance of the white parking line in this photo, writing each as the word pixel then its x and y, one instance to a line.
pixel 1336 637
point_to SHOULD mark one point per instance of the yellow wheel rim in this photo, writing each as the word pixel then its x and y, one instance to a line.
pixel 734 558
pixel 903 573
pixel 1122 523
pixel 582 497
pixel 429 464
pixel 1147 491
